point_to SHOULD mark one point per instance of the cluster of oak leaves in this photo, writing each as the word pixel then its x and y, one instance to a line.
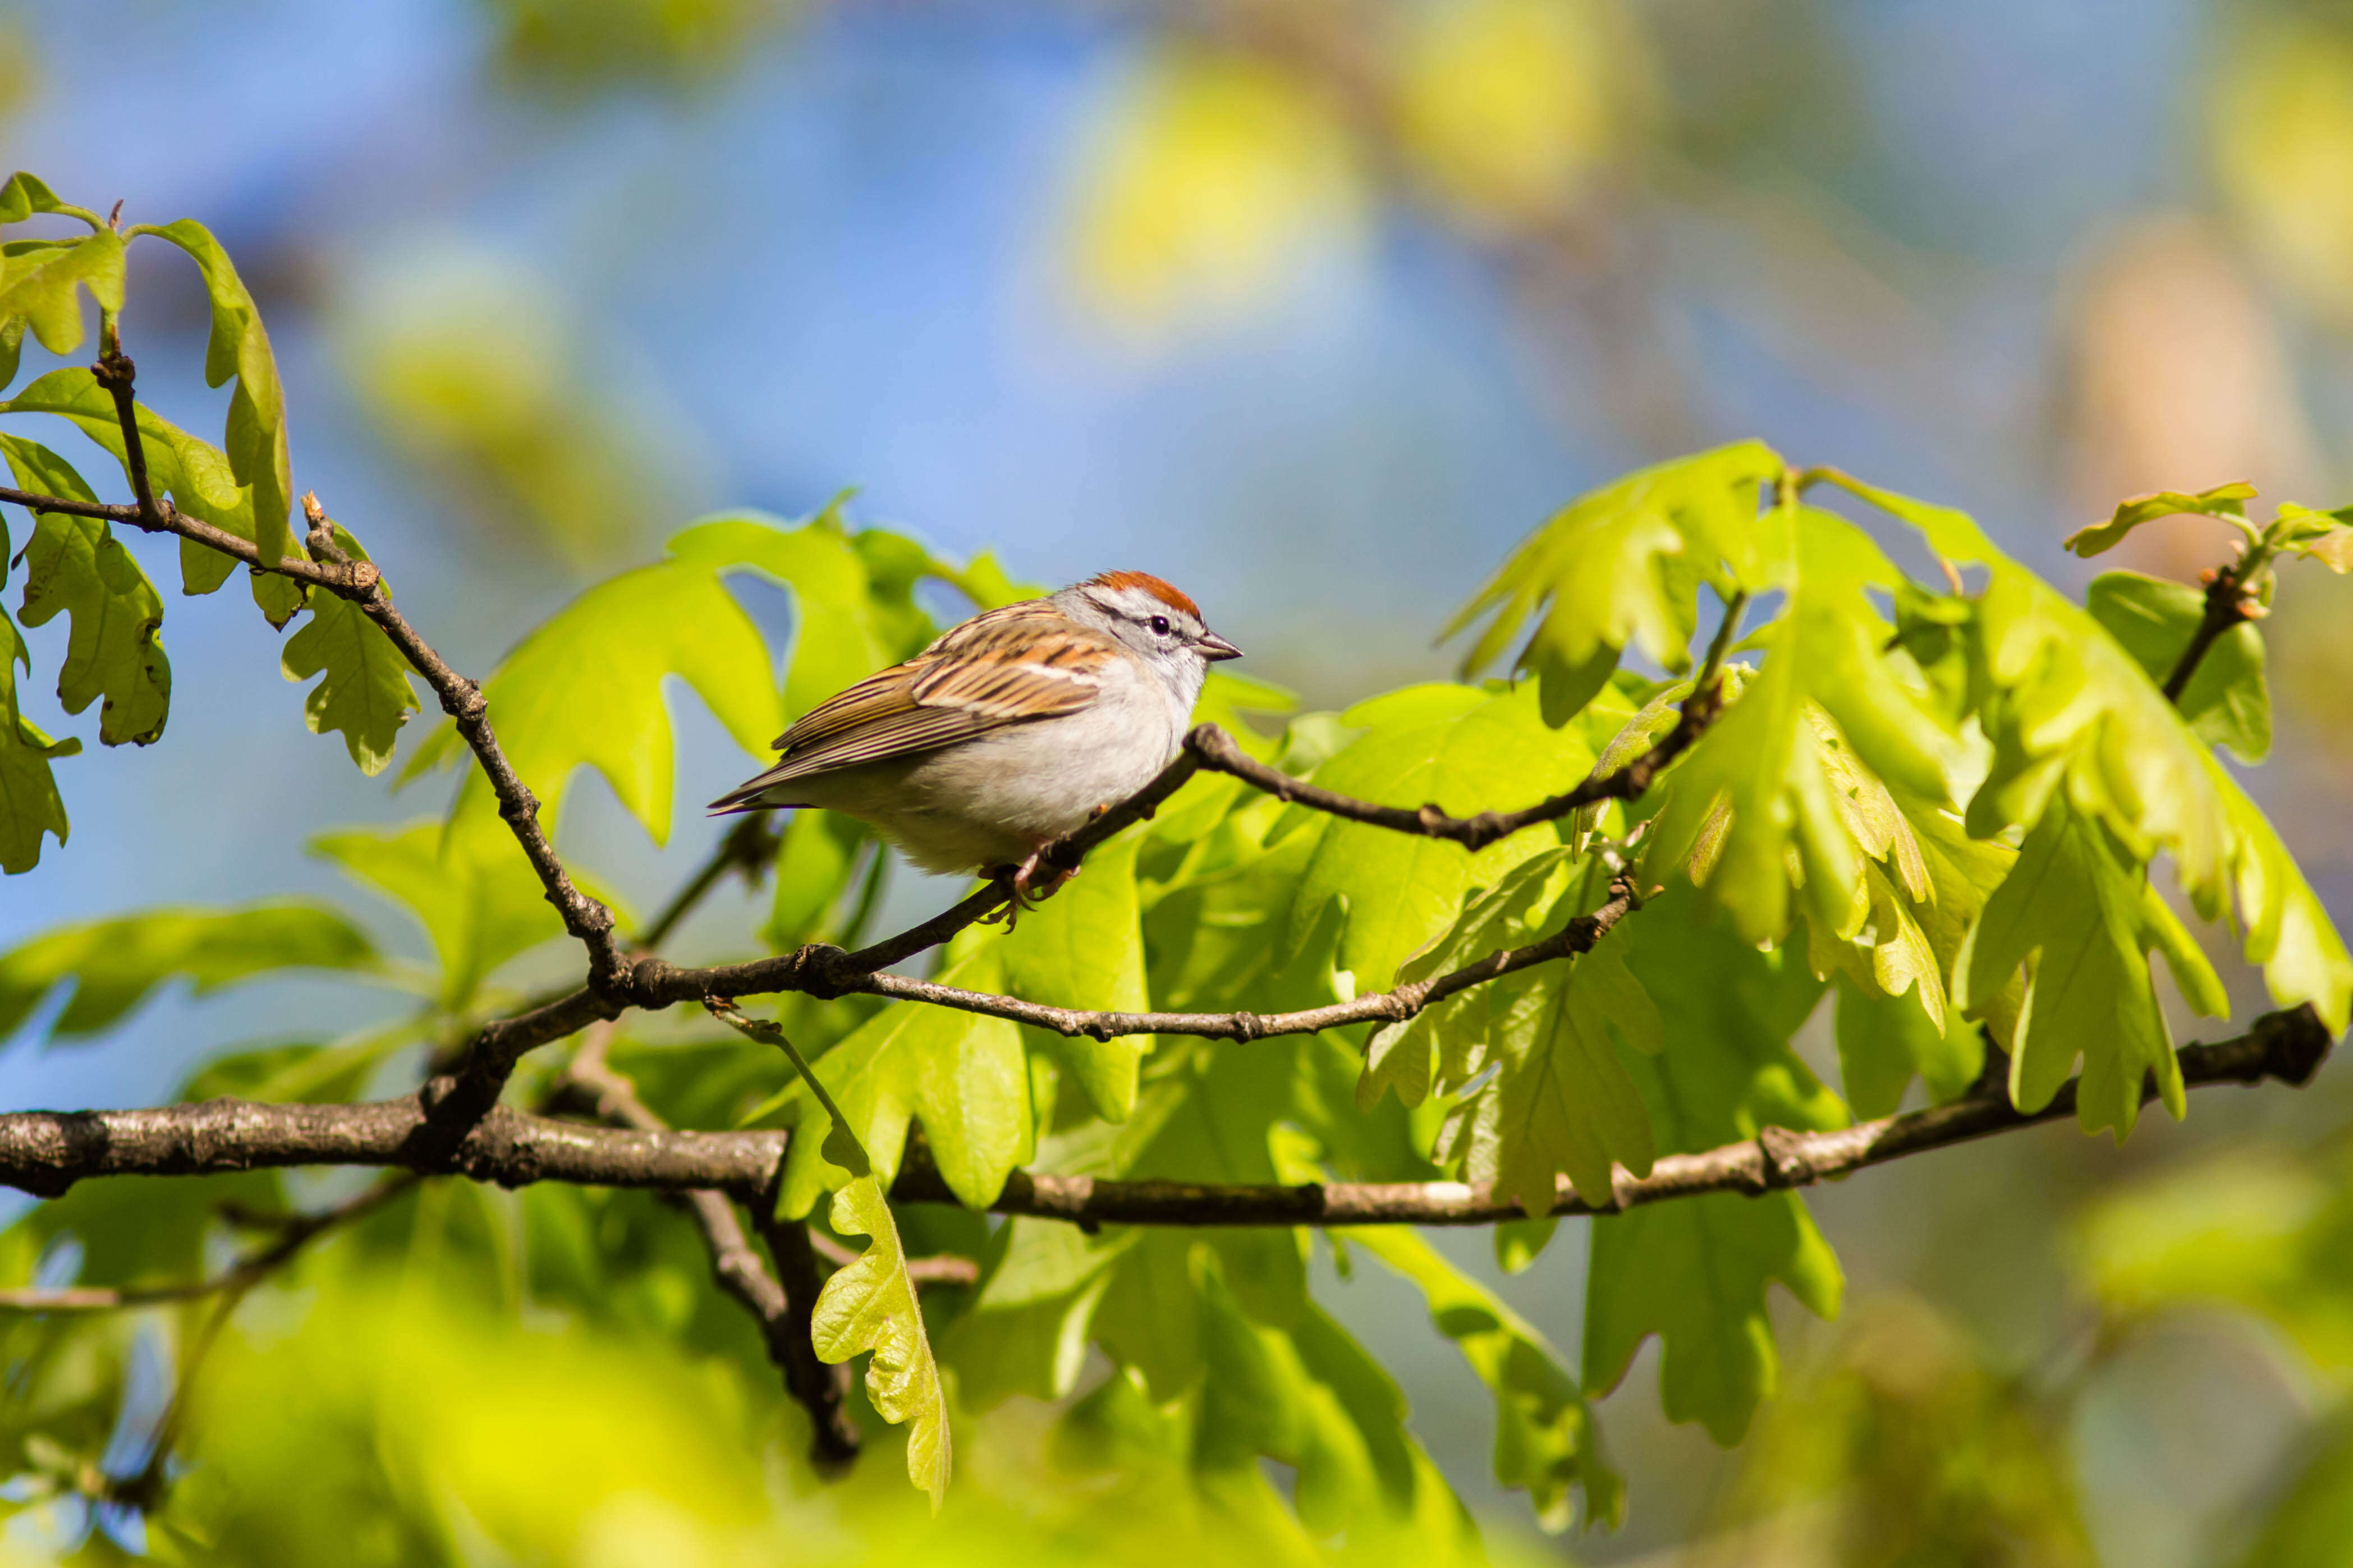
pixel 1936 794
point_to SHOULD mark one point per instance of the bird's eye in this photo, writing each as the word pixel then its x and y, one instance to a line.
pixel 1159 625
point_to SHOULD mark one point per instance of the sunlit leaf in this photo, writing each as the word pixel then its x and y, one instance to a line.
pixel 77 565
pixel 240 346
pixel 584 689
pixel 1787 784
pixel 40 285
pixel 2285 926
pixel 1085 948
pixel 965 1076
pixel 1622 564
pixel 2083 920
pixel 1460 748
pixel 113 963
pixel 193 474
pixel 365 693
pixel 870 1305
pixel 2224 501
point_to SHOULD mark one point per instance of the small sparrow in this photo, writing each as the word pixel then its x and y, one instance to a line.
pixel 1009 731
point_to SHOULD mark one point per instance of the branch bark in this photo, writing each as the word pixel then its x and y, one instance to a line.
pixel 46 1152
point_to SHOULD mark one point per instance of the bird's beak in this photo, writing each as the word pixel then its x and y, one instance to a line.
pixel 1215 647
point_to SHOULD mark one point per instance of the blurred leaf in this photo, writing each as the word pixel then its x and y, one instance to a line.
pixel 1545 1440
pixel 819 851
pixel 26 193
pixel 29 804
pixel 2224 501
pixel 240 346
pixel 1624 565
pixel 964 1075
pixel 135 1233
pixel 298 1071
pixel 474 894
pixel 1904 1447
pixel 1460 748
pixel 2083 920
pixel 76 564
pixel 2226 702
pixel 366 694
pixel 570 46
pixel 113 963
pixel 1509 108
pixel 870 1305
pixel 1200 187
pixel 41 284
pixel 586 688
pixel 2323 536
pixel 1695 1271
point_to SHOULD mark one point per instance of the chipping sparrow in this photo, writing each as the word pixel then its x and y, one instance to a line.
pixel 1008 732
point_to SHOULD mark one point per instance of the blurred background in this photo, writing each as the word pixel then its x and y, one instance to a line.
pixel 1313 307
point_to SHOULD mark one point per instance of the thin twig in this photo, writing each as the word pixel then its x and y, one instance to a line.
pixel 2229 606
pixel 46 1152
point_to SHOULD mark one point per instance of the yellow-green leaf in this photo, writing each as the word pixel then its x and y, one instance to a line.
pixel 2224 501
pixel 77 565
pixel 870 1305
pixel 365 693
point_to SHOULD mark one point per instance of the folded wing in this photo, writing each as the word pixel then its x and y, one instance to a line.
pixel 1010 666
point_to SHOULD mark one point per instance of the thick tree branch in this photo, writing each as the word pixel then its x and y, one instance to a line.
pixel 46 1152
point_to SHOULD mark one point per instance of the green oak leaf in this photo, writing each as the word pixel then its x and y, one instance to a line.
pixel 1085 948
pixel 1559 1101
pixel 2227 501
pixel 29 803
pixel 1466 751
pixel 2080 914
pixel 1545 1440
pixel 41 281
pixel 113 963
pixel 964 1075
pixel 2285 926
pixel 1695 1271
pixel 1622 564
pixel 77 565
pixel 2226 702
pixel 870 1305
pixel 299 1072
pixel 1786 785
pixel 584 689
pixel 255 438
pixel 365 693
pixel 195 475
pixel 847 624
pixel 475 896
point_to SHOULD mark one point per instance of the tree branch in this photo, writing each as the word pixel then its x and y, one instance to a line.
pixel 2229 604
pixel 45 1152
pixel 781 1312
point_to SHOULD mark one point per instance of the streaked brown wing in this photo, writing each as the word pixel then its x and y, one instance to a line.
pixel 987 672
